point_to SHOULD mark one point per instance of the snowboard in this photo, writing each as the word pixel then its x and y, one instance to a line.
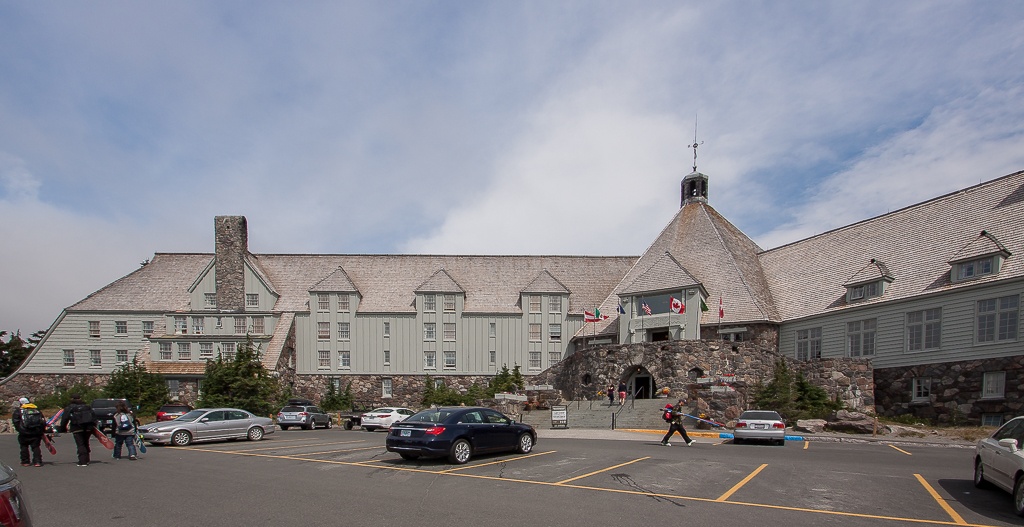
pixel 48 441
pixel 104 440
pixel 140 443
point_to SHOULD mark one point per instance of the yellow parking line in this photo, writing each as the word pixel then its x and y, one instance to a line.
pixel 901 450
pixel 737 486
pixel 807 445
pixel 564 481
pixel 942 503
pixel 275 441
pixel 292 446
pixel 495 462
pixel 336 451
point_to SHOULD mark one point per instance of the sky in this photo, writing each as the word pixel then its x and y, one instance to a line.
pixel 491 127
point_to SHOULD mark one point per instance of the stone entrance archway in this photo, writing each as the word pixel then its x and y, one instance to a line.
pixel 640 382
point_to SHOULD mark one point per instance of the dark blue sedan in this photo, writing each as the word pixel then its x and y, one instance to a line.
pixel 459 433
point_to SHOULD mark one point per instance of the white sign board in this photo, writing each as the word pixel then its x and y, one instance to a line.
pixel 560 416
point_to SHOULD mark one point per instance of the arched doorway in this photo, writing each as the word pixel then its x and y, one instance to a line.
pixel 639 382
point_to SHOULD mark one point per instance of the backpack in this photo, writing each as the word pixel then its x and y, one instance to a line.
pixel 667 416
pixel 32 421
pixel 124 422
pixel 81 414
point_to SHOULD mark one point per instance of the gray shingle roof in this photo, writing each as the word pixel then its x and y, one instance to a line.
pixel 666 274
pixel 440 282
pixel 336 282
pixel 545 283
pixel 874 270
pixel 984 245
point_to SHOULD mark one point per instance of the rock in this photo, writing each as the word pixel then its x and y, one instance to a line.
pixel 811 426
pixel 854 422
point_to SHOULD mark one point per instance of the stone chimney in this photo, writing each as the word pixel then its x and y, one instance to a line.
pixel 232 242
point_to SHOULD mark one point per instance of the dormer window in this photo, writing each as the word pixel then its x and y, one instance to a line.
pixel 975 268
pixel 864 291
pixel 869 282
pixel 982 256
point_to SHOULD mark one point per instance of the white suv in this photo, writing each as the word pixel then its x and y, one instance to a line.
pixel 999 461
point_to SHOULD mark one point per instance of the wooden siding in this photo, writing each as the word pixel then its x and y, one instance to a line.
pixel 72 332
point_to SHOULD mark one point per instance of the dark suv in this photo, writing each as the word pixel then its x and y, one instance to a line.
pixel 103 410
pixel 302 412
pixel 170 412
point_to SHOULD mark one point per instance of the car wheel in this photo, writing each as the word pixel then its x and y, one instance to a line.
pixel 283 427
pixel 310 426
pixel 255 433
pixel 460 452
pixel 780 442
pixel 349 424
pixel 330 424
pixel 181 438
pixel 979 475
pixel 736 440
pixel 369 428
pixel 409 457
pixel 525 444
pixel 1018 496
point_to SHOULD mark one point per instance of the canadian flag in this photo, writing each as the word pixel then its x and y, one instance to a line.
pixel 676 305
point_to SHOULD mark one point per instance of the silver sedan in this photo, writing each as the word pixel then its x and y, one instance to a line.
pixel 208 424
pixel 764 425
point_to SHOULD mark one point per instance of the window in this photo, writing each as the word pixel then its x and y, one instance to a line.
pixel 69 358
pixel 991 419
pixel 554 357
pixel 534 304
pixel 165 351
pixel 860 338
pixel 345 359
pixel 323 330
pixel 184 351
pixel 147 328
pixel 429 303
pixel 993 385
pixel 257 325
pixel 336 383
pixel 120 328
pixel 387 329
pixel 252 300
pixel 121 356
pixel 449 331
pixel 180 325
pixel 173 386
pixel 429 331
pixel 997 318
pixel 344 303
pixel 534 332
pixel 227 351
pixel 921 389
pixel 808 344
pixel 211 299
pixel 323 358
pixel 555 332
pixel 864 291
pixel 492 357
pixel 385 387
pixel 344 331
pixel 555 304
pixel 197 325
pixel 924 329
pixel 449 303
pixel 219 323
pixel 534 360
pixel 323 302
pixel 975 268
pixel 491 330
pixel 205 350
pixel 449 360
pixel 239 325
pixel 95 358
pixel 387 357
pixel 94 328
pixel 438 383
pixel 429 360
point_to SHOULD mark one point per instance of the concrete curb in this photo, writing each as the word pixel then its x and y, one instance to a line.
pixel 636 433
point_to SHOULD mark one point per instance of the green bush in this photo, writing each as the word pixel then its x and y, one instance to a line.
pixel 793 396
pixel 62 396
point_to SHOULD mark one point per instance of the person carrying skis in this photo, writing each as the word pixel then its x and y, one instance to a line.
pixel 676 425
pixel 81 419
pixel 31 425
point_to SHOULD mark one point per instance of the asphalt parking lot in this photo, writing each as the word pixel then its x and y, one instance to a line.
pixel 584 478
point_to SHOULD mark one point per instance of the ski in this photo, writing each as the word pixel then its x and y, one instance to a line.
pixel 104 440
pixel 48 441
pixel 139 442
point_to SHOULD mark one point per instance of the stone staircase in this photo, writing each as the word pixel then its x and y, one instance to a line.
pixel 638 414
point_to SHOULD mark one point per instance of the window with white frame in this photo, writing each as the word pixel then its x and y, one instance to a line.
pixel 921 389
pixel 534 303
pixel 344 302
pixel 210 299
pixel 120 328
pixel 184 351
pixel 554 357
pixel 323 359
pixel 429 303
pixel 860 338
pixel 998 318
pixel 429 331
pixel 387 329
pixel 864 291
pixel 492 330
pixel 205 350
pixel 924 329
pixel 555 304
pixel 492 357
pixel 975 268
pixel 180 325
pixel 219 323
pixel 336 383
pixel 991 419
pixel 385 388
pixel 555 332
pixel 173 386
pixel 808 344
pixel 345 359
pixel 252 300
pixel 121 356
pixel 449 360
pixel 429 360
pixel 439 383
pixel 69 358
pixel 147 328
pixel 240 325
pixel 94 328
pixel 344 331
pixel 387 357
pixel 227 350
pixel 449 331
pixel 197 325
pixel 993 385
pixel 323 302
pixel 534 360
pixel 165 351
pixel 95 358
pixel 323 330
pixel 449 303
pixel 534 332
pixel 257 326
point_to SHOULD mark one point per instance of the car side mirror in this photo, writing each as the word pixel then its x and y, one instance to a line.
pixel 205 419
pixel 1009 443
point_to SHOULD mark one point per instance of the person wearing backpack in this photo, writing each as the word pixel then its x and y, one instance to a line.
pixel 674 416
pixel 124 431
pixel 81 419
pixel 31 425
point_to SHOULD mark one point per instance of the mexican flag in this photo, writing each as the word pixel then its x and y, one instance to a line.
pixel 596 316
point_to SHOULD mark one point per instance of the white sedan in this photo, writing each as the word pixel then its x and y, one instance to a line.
pixel 383 417
pixel 999 461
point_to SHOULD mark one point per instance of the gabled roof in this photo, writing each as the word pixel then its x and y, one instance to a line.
pixel 984 245
pixel 545 283
pixel 161 285
pixel 665 275
pixel 873 271
pixel 440 282
pixel 336 282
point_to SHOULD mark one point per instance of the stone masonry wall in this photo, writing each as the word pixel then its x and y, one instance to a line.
pixel 232 243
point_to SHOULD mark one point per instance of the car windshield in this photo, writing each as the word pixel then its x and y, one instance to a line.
pixel 191 416
pixel 433 415
pixel 763 416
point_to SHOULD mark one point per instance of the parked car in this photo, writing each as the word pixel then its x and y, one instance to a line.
pixel 169 412
pixel 304 414
pixel 999 461
pixel 762 425
pixel 208 424
pixel 14 510
pixel 103 410
pixel 383 417
pixel 459 433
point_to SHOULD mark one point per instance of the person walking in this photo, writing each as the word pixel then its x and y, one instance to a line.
pixel 124 433
pixel 81 419
pixel 622 392
pixel 31 425
pixel 676 424
pixel 611 394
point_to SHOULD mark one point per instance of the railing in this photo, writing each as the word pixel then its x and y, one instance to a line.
pixel 632 405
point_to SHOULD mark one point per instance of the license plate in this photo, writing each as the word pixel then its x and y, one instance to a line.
pixel 405 433
pixel 760 427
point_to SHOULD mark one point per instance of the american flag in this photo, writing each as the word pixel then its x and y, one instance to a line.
pixel 646 308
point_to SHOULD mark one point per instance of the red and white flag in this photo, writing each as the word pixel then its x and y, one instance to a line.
pixel 596 316
pixel 721 310
pixel 646 308
pixel 676 305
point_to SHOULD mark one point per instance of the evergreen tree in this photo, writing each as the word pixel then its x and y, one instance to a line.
pixel 517 378
pixel 792 395
pixel 132 381
pixel 240 383
pixel 334 401
pixel 15 350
